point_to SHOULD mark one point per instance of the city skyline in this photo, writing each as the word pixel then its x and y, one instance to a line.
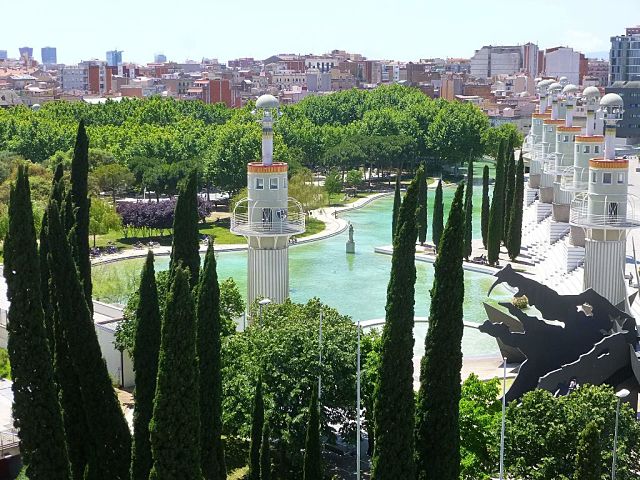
pixel 406 30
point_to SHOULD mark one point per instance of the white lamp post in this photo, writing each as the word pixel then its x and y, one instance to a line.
pixel 504 411
pixel 263 303
pixel 624 393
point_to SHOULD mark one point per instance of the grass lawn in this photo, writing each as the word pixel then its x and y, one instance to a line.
pixel 219 231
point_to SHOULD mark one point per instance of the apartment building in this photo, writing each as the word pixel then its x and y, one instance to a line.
pixel 624 56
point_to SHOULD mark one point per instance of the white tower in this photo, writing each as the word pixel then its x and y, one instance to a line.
pixel 563 166
pixel 268 217
pixel 535 137
pixel 606 212
pixel 549 127
pixel 586 147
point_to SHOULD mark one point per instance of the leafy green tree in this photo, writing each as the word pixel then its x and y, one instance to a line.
pixel 81 207
pixel 354 178
pixel 103 218
pixel 36 411
pixel 109 451
pixel 113 178
pixel 557 423
pixel 332 183
pixel 468 213
pixel 514 237
pixel 302 188
pixel 484 218
pixel 284 350
pixel 208 349
pixel 175 427
pixel 589 453
pixel 509 193
pixel 480 417
pixel 145 365
pixel 186 236
pixel 312 469
pixel 437 225
pixel 257 423
pixel 421 209
pixel 437 424
pixel 494 135
pixel 397 200
pixel 394 396
pixel 496 213
pixel 265 453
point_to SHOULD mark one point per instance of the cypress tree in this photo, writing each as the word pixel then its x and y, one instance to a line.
pixel 312 449
pixel 209 346
pixel 81 206
pixel 175 427
pixel 589 453
pixel 438 216
pixel 421 208
pixel 437 427
pixel 265 453
pixel 186 236
pixel 394 398
pixel 109 447
pixel 397 200
pixel 74 417
pixel 514 238
pixel 496 214
pixel 484 219
pixel 468 213
pixel 510 184
pixel 36 411
pixel 257 422
pixel 145 365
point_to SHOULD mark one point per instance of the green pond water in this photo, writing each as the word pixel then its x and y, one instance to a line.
pixel 354 284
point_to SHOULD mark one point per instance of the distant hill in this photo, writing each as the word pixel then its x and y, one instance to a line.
pixel 601 55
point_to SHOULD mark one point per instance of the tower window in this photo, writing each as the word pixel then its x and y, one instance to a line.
pixel 606 178
pixel 586 149
pixel 259 183
pixel 565 139
pixel 594 177
pixel 273 183
pixel 620 178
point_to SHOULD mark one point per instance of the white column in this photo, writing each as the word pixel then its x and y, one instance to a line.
pixel 268 274
pixel 604 268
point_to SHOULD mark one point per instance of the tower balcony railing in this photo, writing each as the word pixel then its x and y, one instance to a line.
pixel 256 218
pixel 607 214
pixel 568 181
pixel 551 166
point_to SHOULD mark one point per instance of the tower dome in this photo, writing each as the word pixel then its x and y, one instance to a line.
pixel 591 92
pixel 267 102
pixel 612 100
pixel 570 89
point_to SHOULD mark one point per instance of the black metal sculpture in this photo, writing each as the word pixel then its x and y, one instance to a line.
pixel 580 338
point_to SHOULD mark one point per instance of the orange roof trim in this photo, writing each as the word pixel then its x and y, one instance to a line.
pixel 275 167
pixel 589 138
pixel 602 163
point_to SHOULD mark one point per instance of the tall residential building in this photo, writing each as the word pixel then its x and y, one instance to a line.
pixel 114 58
pixel 598 69
pixel 624 56
pixel 26 53
pixel 565 62
pixel 491 60
pixel 159 58
pixel 49 55
pixel 3 54
pixel 450 87
pixel 92 77
pixel 629 127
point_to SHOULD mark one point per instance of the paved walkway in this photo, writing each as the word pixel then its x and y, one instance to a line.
pixel 333 225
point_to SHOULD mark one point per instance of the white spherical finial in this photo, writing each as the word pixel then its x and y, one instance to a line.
pixel 267 102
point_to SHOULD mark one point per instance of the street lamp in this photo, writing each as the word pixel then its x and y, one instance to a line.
pixel 624 393
pixel 504 410
pixel 263 303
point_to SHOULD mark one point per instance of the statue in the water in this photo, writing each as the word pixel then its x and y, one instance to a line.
pixel 351 245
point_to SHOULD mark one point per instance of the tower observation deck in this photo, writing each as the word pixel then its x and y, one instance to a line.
pixel 267 217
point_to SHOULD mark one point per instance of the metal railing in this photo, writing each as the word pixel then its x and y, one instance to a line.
pixel 583 216
pixel 275 219
pixel 568 180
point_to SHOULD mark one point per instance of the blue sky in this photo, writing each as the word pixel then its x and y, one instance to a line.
pixel 225 29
